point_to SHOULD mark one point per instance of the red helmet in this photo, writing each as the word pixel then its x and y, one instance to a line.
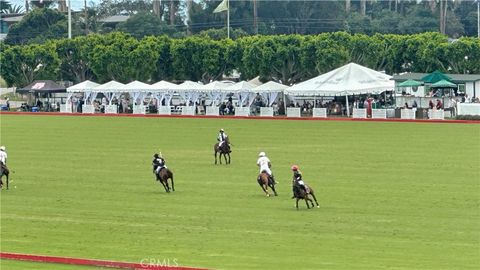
pixel 294 168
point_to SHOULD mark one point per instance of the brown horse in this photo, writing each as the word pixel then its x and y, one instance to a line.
pixel 264 181
pixel 5 172
pixel 163 177
pixel 300 194
pixel 223 150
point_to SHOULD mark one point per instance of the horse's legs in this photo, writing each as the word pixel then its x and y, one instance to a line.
pixel 228 158
pixel 7 181
pixel 164 186
pixel 215 157
pixel 173 187
pixel 273 188
pixel 315 198
pixel 296 203
pixel 306 202
pixel 264 189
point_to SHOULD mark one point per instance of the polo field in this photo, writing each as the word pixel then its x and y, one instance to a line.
pixel 399 195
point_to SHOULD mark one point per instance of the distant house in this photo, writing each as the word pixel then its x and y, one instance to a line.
pixel 112 21
pixel 467 83
pixel 6 21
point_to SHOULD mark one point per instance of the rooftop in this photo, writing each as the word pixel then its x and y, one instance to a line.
pixel 455 77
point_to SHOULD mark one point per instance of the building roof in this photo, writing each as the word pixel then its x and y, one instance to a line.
pixel 457 78
pixel 115 19
pixel 12 19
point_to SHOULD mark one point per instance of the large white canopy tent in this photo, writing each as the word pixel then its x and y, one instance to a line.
pixel 270 91
pixel 216 91
pixel 110 89
pixel 139 91
pixel 347 80
pixel 163 90
pixel 243 92
pixel 83 87
pixel 189 91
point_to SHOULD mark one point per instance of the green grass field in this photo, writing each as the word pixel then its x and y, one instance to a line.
pixel 392 195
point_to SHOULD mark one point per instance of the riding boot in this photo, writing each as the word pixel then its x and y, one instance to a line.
pixel 273 179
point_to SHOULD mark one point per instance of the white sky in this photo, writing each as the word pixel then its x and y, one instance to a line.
pixel 76 4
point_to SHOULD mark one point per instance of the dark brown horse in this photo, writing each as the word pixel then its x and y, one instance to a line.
pixel 6 173
pixel 222 150
pixel 300 194
pixel 163 177
pixel 264 181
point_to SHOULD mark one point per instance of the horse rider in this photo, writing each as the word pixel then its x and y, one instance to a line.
pixel 264 163
pixel 3 159
pixel 222 136
pixel 158 163
pixel 297 179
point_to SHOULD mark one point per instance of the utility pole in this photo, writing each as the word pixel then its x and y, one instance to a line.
pixel 69 19
pixel 478 18
pixel 86 16
pixel 255 16
pixel 189 7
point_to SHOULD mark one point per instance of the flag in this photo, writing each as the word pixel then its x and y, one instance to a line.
pixel 222 7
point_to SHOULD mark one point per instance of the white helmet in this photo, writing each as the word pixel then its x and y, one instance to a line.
pixel 2 148
pixel 262 154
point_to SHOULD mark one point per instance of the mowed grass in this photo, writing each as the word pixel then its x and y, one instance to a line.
pixel 392 195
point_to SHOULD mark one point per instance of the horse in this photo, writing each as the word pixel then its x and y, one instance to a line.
pixel 300 194
pixel 163 177
pixel 5 172
pixel 223 150
pixel 264 181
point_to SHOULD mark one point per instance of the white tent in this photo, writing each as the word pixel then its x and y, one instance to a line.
pixel 82 87
pixel 242 86
pixel 216 90
pixel 138 90
pixel 270 91
pixel 243 92
pixel 163 86
pixel 110 89
pixel 270 86
pixel 256 81
pixel 346 80
pixel 187 86
pixel 189 91
pixel 137 86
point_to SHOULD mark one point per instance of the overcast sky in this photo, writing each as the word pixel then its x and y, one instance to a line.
pixel 76 4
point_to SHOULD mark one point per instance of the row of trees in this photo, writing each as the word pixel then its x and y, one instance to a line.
pixel 180 18
pixel 284 58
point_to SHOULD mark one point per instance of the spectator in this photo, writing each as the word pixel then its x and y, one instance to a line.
pixel 453 106
pixel 430 104
pixel 414 105
pixel 222 109
pixel 8 104
pixel 439 105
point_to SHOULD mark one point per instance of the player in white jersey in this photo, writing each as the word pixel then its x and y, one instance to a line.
pixel 264 164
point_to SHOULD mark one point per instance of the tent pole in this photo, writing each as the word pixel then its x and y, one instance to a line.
pixel 348 107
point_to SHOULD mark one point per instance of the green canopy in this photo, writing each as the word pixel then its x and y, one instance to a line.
pixel 444 84
pixel 435 77
pixel 410 83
